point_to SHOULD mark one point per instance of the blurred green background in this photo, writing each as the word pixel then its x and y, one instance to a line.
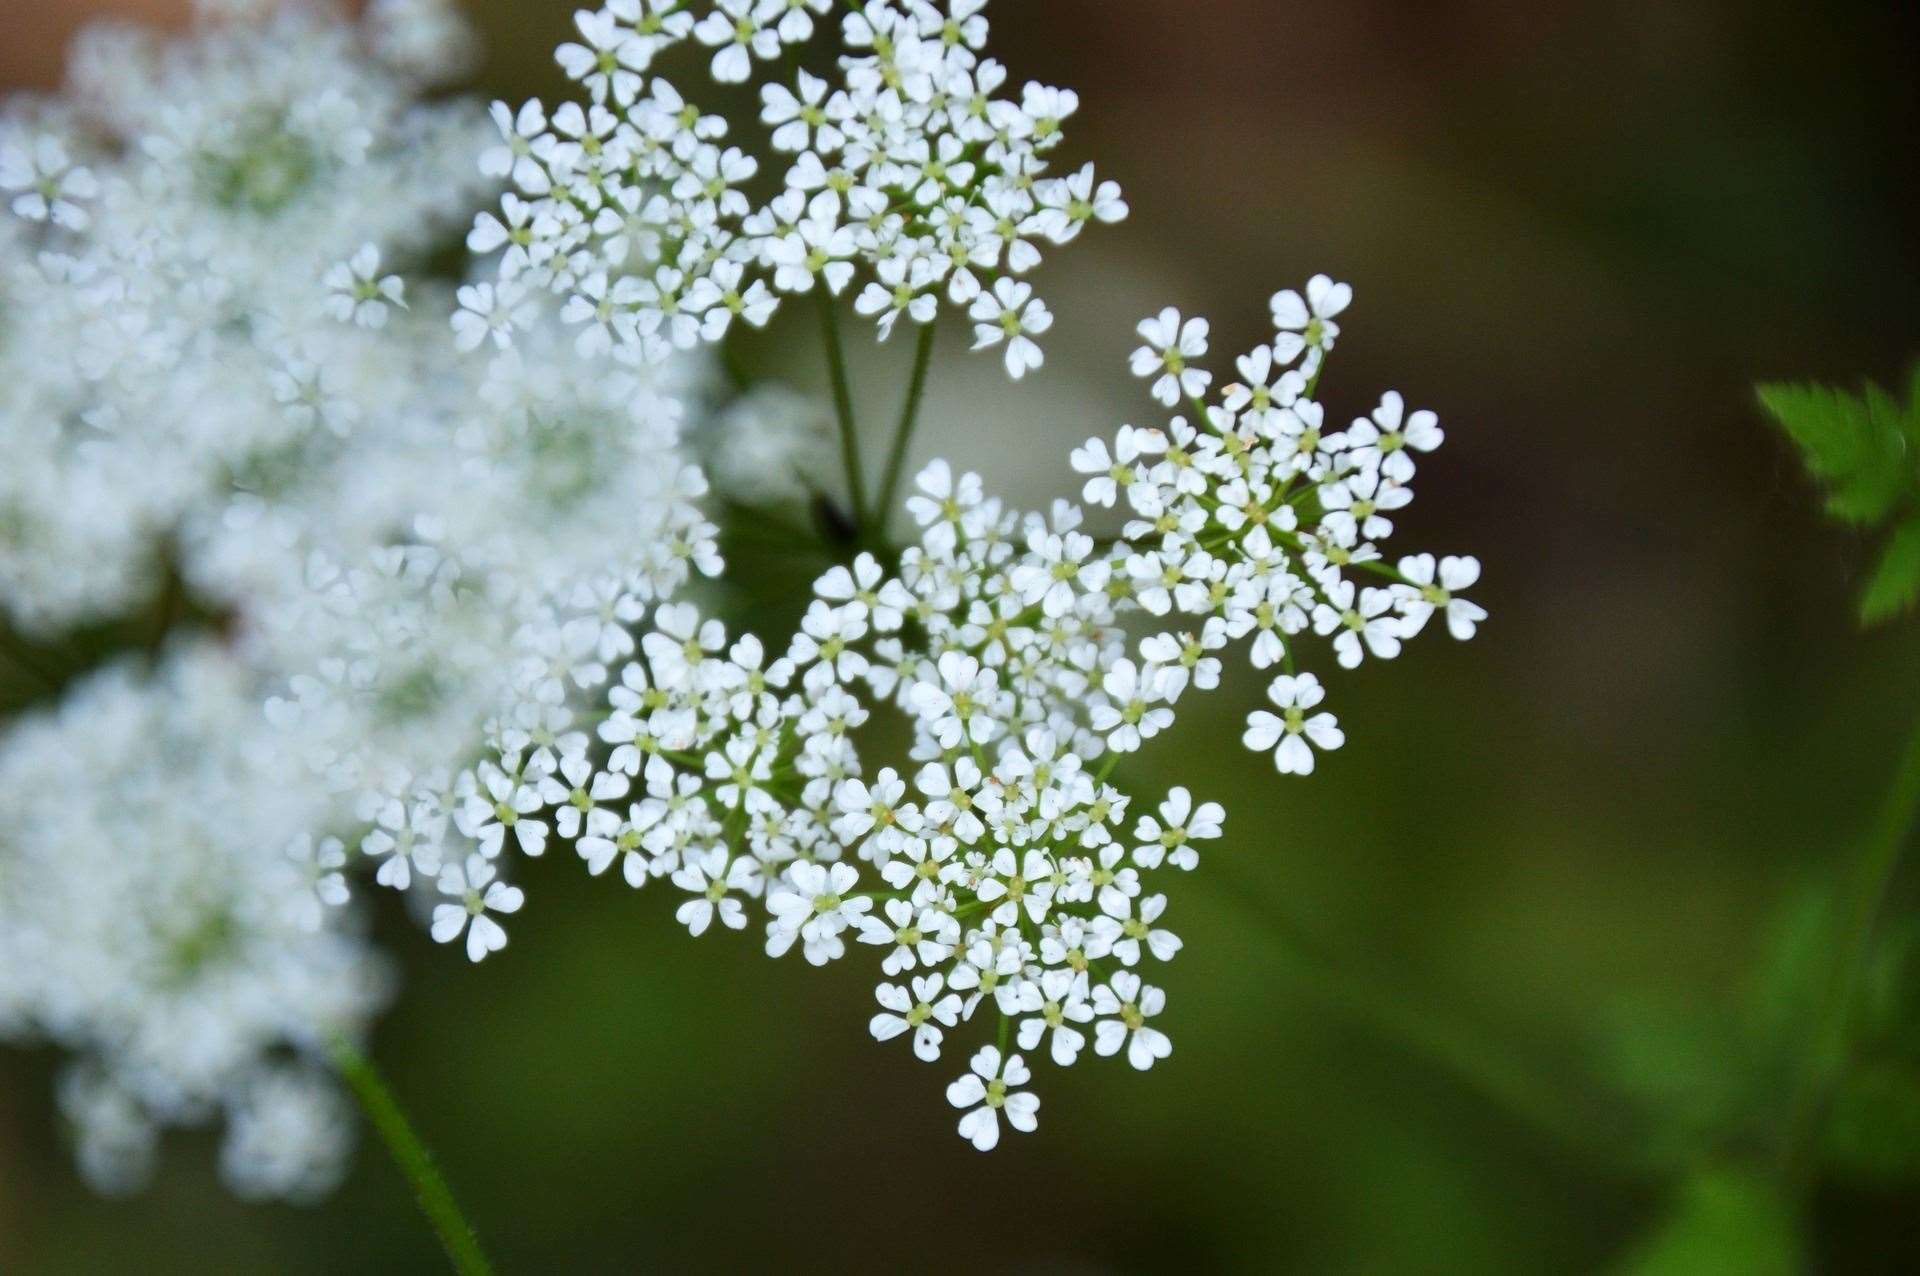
pixel 1538 888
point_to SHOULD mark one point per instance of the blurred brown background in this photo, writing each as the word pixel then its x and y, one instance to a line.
pixel 1580 231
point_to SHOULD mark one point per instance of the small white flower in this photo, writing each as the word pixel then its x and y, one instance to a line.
pixel 1179 826
pixel 358 293
pixel 1057 1001
pixel 524 142
pixel 990 1085
pixel 487 310
pixel 1112 474
pixel 1132 710
pixel 1384 440
pixel 500 804
pixel 1306 324
pixel 959 707
pixel 1359 619
pixel 478 895
pixel 923 1013
pixel 711 879
pixel 1434 588
pixel 805 121
pixel 814 902
pixel 738 30
pixel 903 287
pixel 1168 355
pixel 48 185
pixel 1130 1004
pixel 817 246
pixel 1293 728
pixel 1011 313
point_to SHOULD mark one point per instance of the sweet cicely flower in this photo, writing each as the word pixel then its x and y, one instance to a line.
pixel 990 1085
pixel 1292 731
pixel 475 895
pixel 359 293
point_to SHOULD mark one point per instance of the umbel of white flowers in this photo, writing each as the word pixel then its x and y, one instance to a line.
pixel 908 181
pixel 454 674
pixel 995 869
pixel 411 552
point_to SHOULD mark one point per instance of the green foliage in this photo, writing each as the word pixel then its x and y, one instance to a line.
pixel 1873 1130
pixel 1673 1060
pixel 1865 450
pixel 1712 1078
pixel 1725 1222
pixel 1895 583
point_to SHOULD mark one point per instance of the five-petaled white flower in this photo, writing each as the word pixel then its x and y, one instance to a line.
pixel 1011 313
pixel 1305 324
pixel 990 1085
pixel 358 293
pixel 1126 1004
pixel 1168 356
pixel 923 1013
pixel 1432 588
pixel 477 894
pixel 1288 732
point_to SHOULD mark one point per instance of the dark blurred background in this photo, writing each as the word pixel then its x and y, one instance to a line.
pixel 1580 230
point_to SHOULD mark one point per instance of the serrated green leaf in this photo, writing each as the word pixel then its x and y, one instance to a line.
pixel 1856 445
pixel 1873 1129
pixel 1895 584
pixel 1826 423
pixel 1884 473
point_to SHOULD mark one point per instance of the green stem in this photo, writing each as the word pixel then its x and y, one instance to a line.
pixel 416 1164
pixel 1489 1068
pixel 843 405
pixel 903 434
pixel 1865 893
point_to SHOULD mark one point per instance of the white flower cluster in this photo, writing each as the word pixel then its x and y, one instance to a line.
pixel 411 560
pixel 450 586
pixel 158 919
pixel 996 868
pixel 1259 522
pixel 163 321
pixel 910 172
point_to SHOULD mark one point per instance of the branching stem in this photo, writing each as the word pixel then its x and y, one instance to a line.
pixel 843 406
pixel 903 433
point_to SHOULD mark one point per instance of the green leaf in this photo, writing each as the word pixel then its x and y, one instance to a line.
pixel 1894 586
pixel 1913 407
pixel 1873 1130
pixel 1725 1222
pixel 1790 980
pixel 1686 1065
pixel 1890 992
pixel 1855 445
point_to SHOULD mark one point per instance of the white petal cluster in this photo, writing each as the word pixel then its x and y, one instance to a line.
pixel 175 340
pixel 994 869
pixel 913 179
pixel 451 586
pixel 410 566
pixel 160 920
